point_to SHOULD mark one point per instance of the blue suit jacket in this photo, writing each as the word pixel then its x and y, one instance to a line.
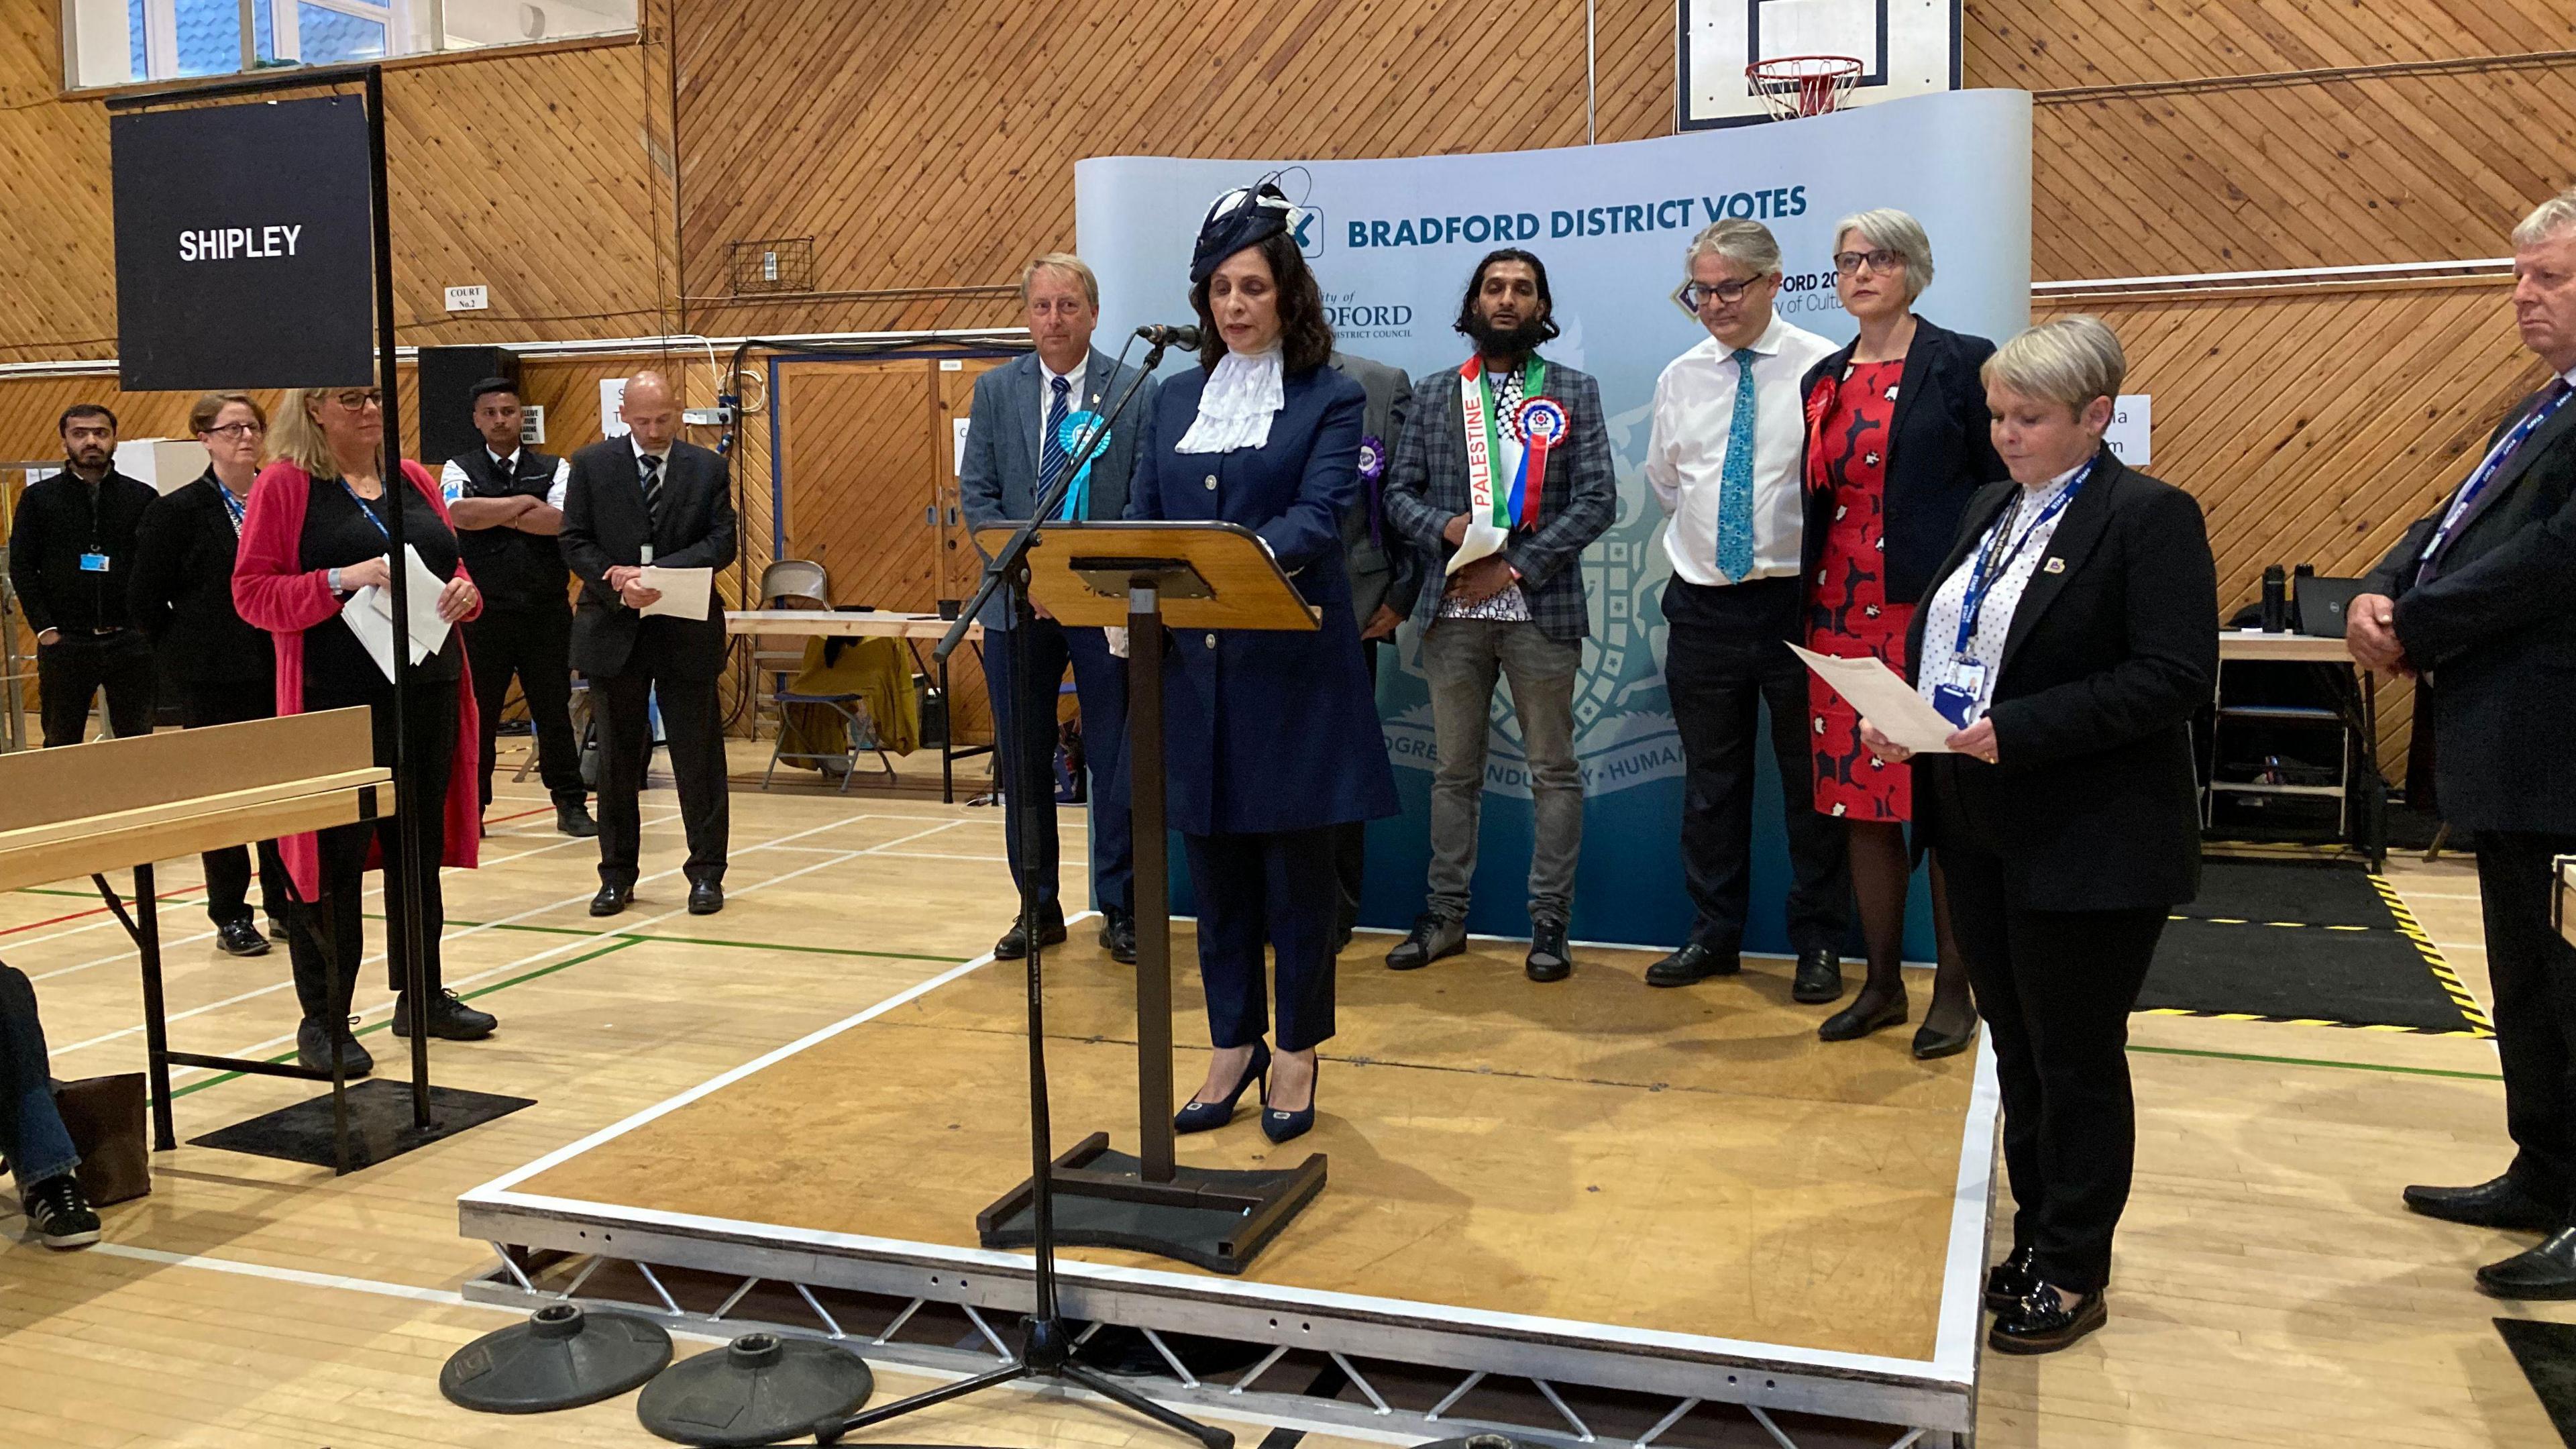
pixel 1269 731
pixel 998 482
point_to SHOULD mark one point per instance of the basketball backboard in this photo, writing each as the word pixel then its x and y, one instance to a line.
pixel 1906 48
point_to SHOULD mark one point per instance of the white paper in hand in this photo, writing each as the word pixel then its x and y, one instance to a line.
pixel 1883 699
pixel 369 614
pixel 684 591
pixel 1483 540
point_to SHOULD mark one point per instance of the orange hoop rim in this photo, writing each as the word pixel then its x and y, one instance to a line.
pixel 1803 85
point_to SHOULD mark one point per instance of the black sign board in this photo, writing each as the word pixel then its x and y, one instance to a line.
pixel 244 250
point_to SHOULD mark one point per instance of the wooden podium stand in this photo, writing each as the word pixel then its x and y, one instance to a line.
pixel 1146 577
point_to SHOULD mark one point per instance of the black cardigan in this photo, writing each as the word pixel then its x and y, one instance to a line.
pixel 2092 801
pixel 1939 453
pixel 182 590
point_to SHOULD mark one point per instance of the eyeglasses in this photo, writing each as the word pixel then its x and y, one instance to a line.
pixel 1850 263
pixel 355 398
pixel 237 431
pixel 1695 295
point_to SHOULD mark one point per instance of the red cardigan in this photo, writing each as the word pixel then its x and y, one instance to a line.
pixel 273 594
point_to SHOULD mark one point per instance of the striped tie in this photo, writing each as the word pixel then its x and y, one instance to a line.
pixel 1051 454
pixel 1735 479
pixel 652 466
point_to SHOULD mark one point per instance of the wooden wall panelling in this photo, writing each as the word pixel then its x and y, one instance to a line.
pixel 861 474
pixel 2049 44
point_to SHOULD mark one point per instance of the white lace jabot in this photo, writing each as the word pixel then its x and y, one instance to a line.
pixel 1236 406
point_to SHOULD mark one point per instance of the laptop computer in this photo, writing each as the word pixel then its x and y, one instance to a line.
pixel 2320 603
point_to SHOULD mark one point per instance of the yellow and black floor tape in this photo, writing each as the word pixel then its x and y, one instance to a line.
pixel 2443 976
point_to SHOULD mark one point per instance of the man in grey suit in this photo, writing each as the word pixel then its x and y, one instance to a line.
pixel 1026 423
pixel 1508 518
pixel 1385 575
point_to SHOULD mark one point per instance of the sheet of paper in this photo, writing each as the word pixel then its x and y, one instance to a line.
pixel 1482 541
pixel 1884 700
pixel 369 614
pixel 684 591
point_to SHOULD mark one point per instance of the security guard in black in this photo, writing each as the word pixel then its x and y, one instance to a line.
pixel 71 557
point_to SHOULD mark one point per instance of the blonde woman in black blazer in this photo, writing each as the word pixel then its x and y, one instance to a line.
pixel 2064 812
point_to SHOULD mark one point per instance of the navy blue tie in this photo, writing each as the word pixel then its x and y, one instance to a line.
pixel 1051 454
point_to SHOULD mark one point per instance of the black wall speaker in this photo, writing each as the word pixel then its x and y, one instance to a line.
pixel 447 378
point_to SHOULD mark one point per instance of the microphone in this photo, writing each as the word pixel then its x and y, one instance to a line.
pixel 1186 338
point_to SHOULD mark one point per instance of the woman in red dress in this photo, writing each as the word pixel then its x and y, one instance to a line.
pixel 1896 445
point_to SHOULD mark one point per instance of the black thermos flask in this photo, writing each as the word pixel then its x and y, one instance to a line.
pixel 2276 600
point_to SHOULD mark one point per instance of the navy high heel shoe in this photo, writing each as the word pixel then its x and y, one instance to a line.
pixel 1287 1126
pixel 1209 1116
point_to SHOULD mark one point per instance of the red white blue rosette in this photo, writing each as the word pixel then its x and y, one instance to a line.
pixel 1542 422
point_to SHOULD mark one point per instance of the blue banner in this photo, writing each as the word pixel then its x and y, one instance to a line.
pixel 1392 243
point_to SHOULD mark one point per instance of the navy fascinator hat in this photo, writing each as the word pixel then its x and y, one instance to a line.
pixel 1243 217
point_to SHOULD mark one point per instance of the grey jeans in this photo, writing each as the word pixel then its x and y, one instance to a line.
pixel 1462 658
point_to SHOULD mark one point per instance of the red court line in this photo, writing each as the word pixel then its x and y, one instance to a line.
pixel 522 815
pixel 97 910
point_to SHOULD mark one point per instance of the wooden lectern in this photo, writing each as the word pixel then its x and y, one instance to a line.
pixel 1146 577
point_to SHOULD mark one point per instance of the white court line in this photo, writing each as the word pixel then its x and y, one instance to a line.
pixel 106 918
pixel 575 944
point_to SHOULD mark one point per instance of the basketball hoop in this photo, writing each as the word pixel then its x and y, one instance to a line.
pixel 1803 85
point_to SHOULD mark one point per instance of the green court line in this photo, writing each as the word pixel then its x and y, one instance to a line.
pixel 615 946
pixel 2318 1062
pixel 632 936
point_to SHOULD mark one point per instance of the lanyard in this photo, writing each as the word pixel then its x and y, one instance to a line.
pixel 2488 468
pixel 363 508
pixel 1991 563
pixel 234 506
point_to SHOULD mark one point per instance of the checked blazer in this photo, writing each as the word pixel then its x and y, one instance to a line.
pixel 1426 486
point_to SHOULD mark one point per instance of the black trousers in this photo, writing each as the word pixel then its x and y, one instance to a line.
pixel 1276 890
pixel 1350 842
pixel 2533 973
pixel 228 870
pixel 340 913
pixel 75 667
pixel 1726 657
pixel 536 645
pixel 693 725
pixel 2055 989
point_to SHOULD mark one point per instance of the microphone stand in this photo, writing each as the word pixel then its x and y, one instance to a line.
pixel 1046 1346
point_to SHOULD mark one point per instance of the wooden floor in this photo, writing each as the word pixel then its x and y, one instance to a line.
pixel 2268 1291
pixel 1493 1146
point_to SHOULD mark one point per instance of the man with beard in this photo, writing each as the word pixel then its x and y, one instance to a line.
pixel 1504 474
pixel 71 555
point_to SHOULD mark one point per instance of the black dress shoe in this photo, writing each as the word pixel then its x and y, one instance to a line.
pixel 450 1019
pixel 611 899
pixel 1432 937
pixel 240 938
pixel 313 1049
pixel 2042 1323
pixel 2012 1280
pixel 1820 978
pixel 706 898
pixel 1015 941
pixel 1863 1017
pixel 2498 1203
pixel 1932 1044
pixel 572 817
pixel 2547 1271
pixel 1549 960
pixel 1693 962
pixel 1118 938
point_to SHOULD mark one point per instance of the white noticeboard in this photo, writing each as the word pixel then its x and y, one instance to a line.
pixel 2132 415
pixel 612 396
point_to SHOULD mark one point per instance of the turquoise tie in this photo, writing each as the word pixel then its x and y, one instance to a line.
pixel 1735 479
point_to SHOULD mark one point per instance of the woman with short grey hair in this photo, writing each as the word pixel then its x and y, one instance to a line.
pixel 2068 638
pixel 1896 446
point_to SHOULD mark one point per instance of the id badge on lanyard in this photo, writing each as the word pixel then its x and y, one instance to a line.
pixel 1957 701
pixel 93 563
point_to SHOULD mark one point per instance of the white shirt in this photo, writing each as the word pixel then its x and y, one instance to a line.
pixel 1046 394
pixel 1686 457
pixel 2003 595
pixel 641 453
pixel 453 484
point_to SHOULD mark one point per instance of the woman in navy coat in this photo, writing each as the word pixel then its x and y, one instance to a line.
pixel 1271 739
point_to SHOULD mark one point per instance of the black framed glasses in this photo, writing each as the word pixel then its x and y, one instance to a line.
pixel 354 398
pixel 237 431
pixel 1882 263
pixel 1695 295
